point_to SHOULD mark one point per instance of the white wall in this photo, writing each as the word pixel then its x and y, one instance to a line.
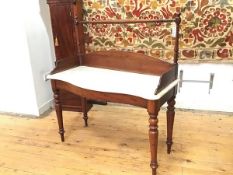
pixel 24 57
pixel 196 95
pixel 40 51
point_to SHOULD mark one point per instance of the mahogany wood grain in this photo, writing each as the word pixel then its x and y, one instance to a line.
pixel 177 36
pixel 84 107
pixel 70 101
pixel 65 43
pixel 58 109
pixel 170 122
pixel 108 97
pixel 127 61
pixel 153 110
pixel 166 78
pixel 63 31
pixel 79 30
pixel 64 64
pixel 60 2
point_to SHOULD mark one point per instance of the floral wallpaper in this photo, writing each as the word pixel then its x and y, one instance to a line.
pixel 206 28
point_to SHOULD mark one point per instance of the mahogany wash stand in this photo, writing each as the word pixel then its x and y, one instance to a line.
pixel 111 76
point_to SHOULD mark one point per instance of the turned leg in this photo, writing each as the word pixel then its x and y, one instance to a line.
pixel 170 121
pixel 58 109
pixel 84 109
pixel 153 137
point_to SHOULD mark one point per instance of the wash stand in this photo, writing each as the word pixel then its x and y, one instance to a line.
pixel 122 77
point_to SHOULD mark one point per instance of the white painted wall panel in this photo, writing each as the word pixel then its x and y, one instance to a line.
pixel 196 96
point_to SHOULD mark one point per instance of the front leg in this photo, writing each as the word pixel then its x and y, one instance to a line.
pixel 153 110
pixel 58 109
pixel 170 121
pixel 84 110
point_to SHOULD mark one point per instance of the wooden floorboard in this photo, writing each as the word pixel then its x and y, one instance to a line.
pixel 115 143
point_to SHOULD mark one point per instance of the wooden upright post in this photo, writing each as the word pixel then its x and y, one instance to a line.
pixel 176 47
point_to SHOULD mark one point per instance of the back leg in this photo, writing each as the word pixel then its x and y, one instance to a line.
pixel 84 109
pixel 170 121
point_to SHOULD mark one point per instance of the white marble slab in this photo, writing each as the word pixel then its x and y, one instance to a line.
pixel 106 80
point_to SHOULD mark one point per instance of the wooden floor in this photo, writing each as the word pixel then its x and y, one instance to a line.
pixel 115 143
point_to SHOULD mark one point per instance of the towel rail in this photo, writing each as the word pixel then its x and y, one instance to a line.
pixel 122 21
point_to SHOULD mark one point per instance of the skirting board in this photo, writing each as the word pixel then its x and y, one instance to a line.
pixel 46 106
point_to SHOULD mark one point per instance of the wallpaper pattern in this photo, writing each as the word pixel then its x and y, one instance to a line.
pixel 206 28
